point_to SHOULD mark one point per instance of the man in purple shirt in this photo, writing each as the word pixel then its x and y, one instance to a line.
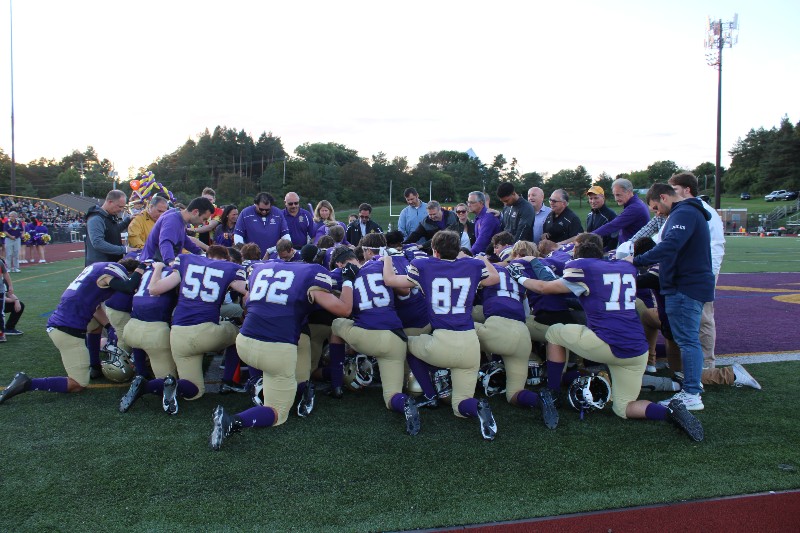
pixel 261 223
pixel 612 334
pixel 375 329
pixel 486 224
pixel 449 285
pixel 299 221
pixel 68 325
pixel 168 237
pixel 634 216
pixel 281 297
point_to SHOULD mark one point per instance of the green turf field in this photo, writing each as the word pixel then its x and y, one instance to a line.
pixel 72 462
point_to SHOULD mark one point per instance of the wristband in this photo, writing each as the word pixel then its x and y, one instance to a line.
pixel 347 283
pixel 521 281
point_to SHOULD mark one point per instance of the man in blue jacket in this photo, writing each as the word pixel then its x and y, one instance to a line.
pixel 687 281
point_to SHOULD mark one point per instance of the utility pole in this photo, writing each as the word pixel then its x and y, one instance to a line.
pixel 719 35
pixel 13 157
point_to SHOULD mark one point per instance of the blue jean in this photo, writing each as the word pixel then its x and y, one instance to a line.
pixel 684 315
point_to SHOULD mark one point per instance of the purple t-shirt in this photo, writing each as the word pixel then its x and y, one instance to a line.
pixel 373 302
pixel 202 289
pixel 449 288
pixel 278 303
pixel 505 298
pixel 80 300
pixel 14 229
pixel 300 226
pixel 265 231
pixel 149 308
pixel 486 226
pixel 609 299
pixel 168 238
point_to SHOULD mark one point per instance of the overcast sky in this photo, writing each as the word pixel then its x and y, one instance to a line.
pixel 611 85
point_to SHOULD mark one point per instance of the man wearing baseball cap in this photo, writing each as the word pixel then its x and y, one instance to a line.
pixel 635 213
pixel 600 215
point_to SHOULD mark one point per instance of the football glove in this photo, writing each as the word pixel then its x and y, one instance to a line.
pixel 516 271
pixel 349 272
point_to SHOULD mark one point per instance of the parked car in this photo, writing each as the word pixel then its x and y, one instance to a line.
pixel 788 195
pixel 744 196
pixel 771 197
pixel 705 198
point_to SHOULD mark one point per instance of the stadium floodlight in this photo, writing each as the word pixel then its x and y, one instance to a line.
pixel 718 36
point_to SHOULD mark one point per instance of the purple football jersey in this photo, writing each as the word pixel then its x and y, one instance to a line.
pixel 449 288
pixel 412 309
pixel 80 300
pixel 505 298
pixel 278 303
pixel 373 302
pixel 149 308
pixel 540 303
pixel 609 300
pixel 202 289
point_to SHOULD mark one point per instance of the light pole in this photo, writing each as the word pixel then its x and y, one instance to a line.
pixel 719 35
pixel 13 158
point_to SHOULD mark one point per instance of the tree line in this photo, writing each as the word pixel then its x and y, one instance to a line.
pixel 237 166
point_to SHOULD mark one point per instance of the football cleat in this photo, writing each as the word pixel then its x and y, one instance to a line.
pixel 742 377
pixel 549 410
pixel 18 385
pixel 135 392
pixel 95 372
pixel 337 393
pixel 430 403
pixel 412 416
pixel 223 425
pixel 229 387
pixel 306 403
pixel 170 399
pixel 681 417
pixel 488 425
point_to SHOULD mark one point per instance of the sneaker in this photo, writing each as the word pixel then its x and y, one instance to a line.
pixel 661 364
pixel 549 411
pixel 223 425
pixel 412 416
pixel 135 392
pixel 651 369
pixel 13 332
pixel 42 261
pixel 693 402
pixel 229 387
pixel 681 417
pixel 742 377
pixel 306 403
pixel 23 261
pixel 16 270
pixel 170 399
pixel 18 385
pixel 2 337
pixel 488 425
